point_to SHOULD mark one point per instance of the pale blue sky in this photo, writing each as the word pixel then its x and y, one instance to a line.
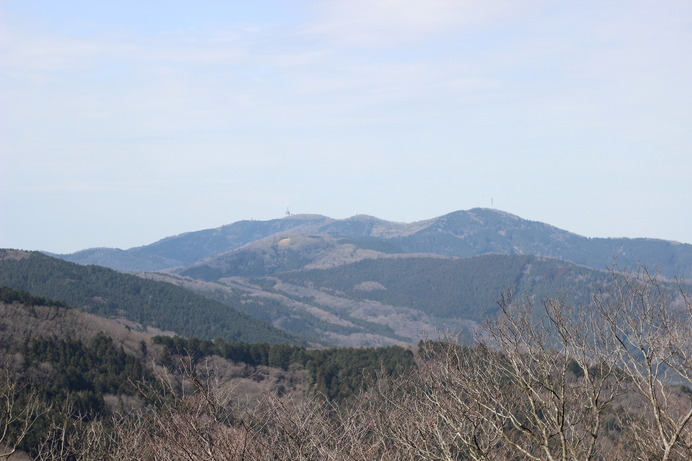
pixel 125 122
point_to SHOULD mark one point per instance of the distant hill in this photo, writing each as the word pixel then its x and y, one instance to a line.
pixel 453 288
pixel 156 304
pixel 188 248
pixel 286 252
pixel 484 231
pixel 360 281
pixel 391 299
pixel 459 234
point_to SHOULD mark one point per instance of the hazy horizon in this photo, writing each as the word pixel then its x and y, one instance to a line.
pixel 124 123
pixel 287 214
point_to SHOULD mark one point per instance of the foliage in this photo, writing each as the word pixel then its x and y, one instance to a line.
pixel 607 380
pixel 337 373
pixel 73 366
pixel 64 374
pixel 457 288
pixel 107 292
pixel 343 373
pixel 277 308
pixel 10 295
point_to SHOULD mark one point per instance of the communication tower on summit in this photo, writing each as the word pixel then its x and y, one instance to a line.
pixel 288 212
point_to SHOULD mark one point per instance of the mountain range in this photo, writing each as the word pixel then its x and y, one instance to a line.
pixel 253 295
pixel 360 281
pixel 461 234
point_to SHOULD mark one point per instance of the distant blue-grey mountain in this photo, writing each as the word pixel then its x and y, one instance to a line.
pixel 459 234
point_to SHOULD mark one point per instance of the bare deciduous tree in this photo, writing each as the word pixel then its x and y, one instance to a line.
pixel 556 382
pixel 19 410
pixel 547 381
pixel 651 345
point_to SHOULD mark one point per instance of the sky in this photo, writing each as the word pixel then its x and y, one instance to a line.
pixel 125 122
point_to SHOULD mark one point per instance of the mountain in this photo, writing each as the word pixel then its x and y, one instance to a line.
pixel 151 304
pixel 459 234
pixel 188 248
pixel 360 281
pixel 484 231
pixel 286 252
pixel 392 299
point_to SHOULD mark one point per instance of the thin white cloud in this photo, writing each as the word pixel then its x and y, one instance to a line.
pixel 130 186
pixel 50 53
pixel 387 22
pixel 454 96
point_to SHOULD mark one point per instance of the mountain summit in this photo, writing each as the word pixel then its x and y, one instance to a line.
pixel 467 233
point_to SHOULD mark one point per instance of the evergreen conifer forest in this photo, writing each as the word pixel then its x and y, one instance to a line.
pixel 546 380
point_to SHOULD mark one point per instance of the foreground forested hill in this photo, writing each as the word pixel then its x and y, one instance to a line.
pixel 150 303
pixel 574 384
pixel 66 375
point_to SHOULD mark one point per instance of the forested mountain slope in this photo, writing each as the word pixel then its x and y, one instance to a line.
pixel 396 299
pixel 453 288
pixel 67 375
pixel 106 292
